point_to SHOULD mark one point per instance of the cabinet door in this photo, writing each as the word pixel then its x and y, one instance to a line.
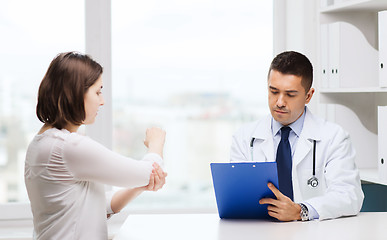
pixel 353 62
pixel 324 56
pixel 382 22
pixel 382 142
pixel 333 54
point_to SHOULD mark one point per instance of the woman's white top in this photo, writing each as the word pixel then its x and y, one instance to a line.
pixel 65 175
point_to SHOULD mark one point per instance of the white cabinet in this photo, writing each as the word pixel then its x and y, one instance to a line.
pixel 352 51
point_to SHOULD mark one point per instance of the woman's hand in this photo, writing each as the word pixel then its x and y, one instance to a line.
pixel 154 140
pixel 124 196
pixel 157 178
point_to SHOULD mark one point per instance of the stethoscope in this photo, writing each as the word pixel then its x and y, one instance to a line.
pixel 313 181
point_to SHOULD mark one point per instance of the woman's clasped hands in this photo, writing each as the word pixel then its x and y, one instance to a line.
pixel 157 178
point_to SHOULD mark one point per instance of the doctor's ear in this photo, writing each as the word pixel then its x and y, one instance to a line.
pixel 309 95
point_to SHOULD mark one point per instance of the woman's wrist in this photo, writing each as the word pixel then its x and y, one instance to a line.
pixel 138 190
pixel 156 148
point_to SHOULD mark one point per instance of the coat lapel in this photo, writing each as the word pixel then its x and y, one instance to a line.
pixel 310 132
pixel 263 133
pixel 304 146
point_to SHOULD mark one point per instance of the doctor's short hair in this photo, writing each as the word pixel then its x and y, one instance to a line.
pixel 63 88
pixel 294 63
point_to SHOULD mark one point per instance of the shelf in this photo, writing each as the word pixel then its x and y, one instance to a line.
pixel 372 176
pixel 356 5
pixel 361 101
pixel 354 90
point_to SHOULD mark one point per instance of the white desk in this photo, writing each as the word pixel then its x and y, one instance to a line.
pixel 209 226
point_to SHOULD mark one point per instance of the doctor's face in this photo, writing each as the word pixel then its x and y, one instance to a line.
pixel 287 97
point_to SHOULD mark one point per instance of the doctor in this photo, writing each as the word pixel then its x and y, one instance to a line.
pixel 318 178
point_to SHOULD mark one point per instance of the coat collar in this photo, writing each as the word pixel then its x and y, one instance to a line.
pixel 263 133
pixel 310 131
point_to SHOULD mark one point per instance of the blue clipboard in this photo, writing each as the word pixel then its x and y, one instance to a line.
pixel 239 187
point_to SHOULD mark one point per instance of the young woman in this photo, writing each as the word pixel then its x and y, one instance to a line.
pixel 65 172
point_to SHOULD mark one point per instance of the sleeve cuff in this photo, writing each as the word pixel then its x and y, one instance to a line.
pixel 153 157
pixel 109 196
pixel 313 214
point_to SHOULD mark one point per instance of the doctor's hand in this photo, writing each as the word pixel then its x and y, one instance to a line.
pixel 282 208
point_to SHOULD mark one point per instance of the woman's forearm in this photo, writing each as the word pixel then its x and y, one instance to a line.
pixel 122 197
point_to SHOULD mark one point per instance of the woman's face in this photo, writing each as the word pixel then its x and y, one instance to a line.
pixel 93 100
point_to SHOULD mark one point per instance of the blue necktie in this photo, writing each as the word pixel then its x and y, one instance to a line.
pixel 284 163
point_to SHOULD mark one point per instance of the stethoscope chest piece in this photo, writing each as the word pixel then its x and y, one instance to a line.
pixel 313 182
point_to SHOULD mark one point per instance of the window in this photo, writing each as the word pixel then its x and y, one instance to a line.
pixel 196 68
pixel 32 33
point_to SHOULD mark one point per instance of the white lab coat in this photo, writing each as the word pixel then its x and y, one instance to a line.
pixel 339 190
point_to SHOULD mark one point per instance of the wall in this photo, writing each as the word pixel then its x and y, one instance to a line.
pixel 296 28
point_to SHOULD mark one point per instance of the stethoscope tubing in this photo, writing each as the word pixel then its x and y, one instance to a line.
pixel 314 158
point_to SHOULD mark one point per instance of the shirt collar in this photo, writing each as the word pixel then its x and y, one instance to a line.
pixel 295 126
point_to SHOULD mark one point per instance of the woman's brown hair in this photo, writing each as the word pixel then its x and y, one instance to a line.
pixel 62 90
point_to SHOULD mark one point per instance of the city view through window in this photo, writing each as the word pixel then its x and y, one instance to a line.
pixel 195 68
